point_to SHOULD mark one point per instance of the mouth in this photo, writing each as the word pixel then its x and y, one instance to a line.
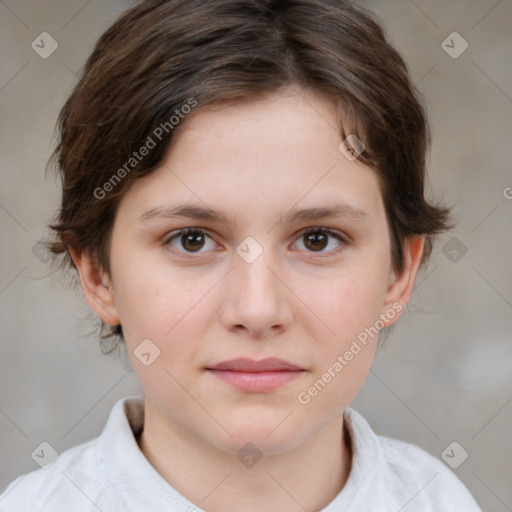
pixel 256 376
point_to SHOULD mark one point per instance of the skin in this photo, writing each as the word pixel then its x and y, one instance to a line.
pixel 254 161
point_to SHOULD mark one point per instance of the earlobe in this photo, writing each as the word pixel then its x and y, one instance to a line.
pixel 401 285
pixel 97 286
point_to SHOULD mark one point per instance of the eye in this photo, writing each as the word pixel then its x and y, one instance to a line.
pixel 314 240
pixel 191 240
pixel 319 240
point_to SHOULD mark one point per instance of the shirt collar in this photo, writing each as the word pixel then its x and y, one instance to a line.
pixel 137 481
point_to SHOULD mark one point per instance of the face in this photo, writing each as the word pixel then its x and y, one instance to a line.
pixel 287 256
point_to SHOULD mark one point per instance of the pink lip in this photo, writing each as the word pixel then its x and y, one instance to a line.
pixel 256 376
pixel 271 364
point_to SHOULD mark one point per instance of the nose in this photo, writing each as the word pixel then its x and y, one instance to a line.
pixel 257 299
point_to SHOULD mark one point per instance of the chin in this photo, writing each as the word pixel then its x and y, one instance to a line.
pixel 269 435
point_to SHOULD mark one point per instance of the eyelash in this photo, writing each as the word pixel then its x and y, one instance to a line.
pixel 186 231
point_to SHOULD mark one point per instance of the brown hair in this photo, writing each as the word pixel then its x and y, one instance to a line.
pixel 162 55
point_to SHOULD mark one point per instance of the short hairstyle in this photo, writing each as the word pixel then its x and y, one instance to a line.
pixel 163 59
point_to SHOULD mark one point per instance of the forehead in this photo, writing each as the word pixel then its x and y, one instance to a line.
pixel 272 153
pixel 273 126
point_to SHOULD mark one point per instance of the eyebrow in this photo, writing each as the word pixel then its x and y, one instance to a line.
pixel 199 212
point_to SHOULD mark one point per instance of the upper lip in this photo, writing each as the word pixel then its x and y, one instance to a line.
pixel 270 364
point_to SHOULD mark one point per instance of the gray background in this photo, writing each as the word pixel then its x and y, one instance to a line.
pixel 445 375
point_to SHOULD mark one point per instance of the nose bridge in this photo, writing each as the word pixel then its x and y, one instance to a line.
pixel 253 273
pixel 259 301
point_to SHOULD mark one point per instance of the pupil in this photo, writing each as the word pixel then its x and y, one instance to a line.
pixel 318 240
pixel 193 241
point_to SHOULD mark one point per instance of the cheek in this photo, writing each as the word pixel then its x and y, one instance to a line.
pixel 350 302
pixel 350 307
pixel 161 303
pixel 146 298
pixel 158 305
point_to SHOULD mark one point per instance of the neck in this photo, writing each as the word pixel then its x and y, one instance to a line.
pixel 307 477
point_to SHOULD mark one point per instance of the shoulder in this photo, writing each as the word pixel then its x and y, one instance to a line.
pixel 55 484
pixel 82 476
pixel 438 484
pixel 413 477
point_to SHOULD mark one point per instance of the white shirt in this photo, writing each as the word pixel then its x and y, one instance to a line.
pixel 110 473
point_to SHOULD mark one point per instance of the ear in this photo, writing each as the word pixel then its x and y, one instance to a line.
pixel 97 287
pixel 401 285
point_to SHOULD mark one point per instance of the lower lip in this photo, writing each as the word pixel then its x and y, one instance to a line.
pixel 256 381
